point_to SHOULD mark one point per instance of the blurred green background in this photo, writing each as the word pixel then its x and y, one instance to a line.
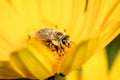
pixel 112 50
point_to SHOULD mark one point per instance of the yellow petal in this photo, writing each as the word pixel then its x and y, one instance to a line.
pixel 115 69
pixel 109 33
pixel 17 19
pixel 98 14
pixel 67 14
pixel 74 75
pixel 79 55
pixel 34 61
pixel 107 11
pixel 90 16
pixel 96 67
pixel 109 28
pixel 13 28
pixel 6 71
pixel 5 48
pixel 49 11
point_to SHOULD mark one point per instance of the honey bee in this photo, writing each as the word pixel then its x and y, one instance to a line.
pixel 54 39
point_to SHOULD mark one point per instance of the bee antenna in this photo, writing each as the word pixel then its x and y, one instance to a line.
pixel 56 26
pixel 64 30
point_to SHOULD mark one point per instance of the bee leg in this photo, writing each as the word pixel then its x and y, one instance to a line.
pixel 61 50
pixel 68 45
pixel 53 48
pixel 47 43
pixel 28 38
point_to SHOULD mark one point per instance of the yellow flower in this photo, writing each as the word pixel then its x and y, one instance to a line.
pixel 91 25
pixel 97 69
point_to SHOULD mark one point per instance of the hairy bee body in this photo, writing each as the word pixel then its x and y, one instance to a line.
pixel 54 39
pixel 45 33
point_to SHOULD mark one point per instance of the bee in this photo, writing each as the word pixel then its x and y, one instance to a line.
pixel 55 40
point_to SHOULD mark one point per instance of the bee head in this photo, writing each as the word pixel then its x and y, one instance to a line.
pixel 58 35
pixel 60 38
pixel 65 41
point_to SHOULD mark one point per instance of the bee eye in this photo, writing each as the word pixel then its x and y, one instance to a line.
pixel 66 37
pixel 59 35
pixel 65 40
